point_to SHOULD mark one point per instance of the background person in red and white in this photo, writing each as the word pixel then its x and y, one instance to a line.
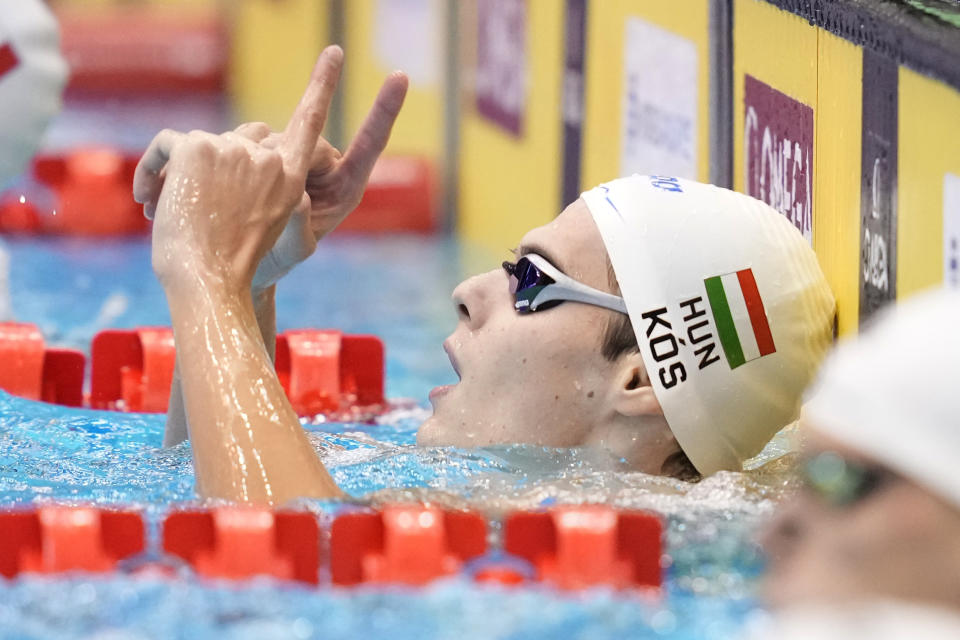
pixel 32 76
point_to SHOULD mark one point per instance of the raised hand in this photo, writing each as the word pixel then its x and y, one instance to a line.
pixel 226 199
pixel 334 183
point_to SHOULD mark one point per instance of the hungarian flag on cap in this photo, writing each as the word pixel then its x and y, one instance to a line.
pixel 740 317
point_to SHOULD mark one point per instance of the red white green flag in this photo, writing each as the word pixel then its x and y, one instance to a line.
pixel 740 317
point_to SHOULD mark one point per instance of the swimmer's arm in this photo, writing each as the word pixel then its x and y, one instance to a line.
pixel 177 430
pixel 264 307
pixel 247 441
pixel 222 205
pixel 248 444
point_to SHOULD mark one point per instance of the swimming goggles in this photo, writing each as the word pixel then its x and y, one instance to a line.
pixel 841 482
pixel 537 285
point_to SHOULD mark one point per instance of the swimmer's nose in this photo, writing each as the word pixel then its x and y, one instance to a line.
pixel 474 296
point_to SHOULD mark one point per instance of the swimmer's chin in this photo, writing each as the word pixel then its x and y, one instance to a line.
pixel 434 433
pixel 428 435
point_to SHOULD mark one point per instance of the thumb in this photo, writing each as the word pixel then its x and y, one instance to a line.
pixel 302 210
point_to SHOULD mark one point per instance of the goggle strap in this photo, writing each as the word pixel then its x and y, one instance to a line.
pixel 587 295
pixel 566 288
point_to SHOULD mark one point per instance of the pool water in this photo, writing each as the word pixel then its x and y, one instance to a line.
pixel 397 288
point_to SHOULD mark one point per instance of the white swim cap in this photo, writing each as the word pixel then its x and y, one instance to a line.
pixel 729 306
pixel 32 76
pixel 894 393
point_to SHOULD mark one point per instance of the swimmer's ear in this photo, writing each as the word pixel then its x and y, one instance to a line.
pixel 633 394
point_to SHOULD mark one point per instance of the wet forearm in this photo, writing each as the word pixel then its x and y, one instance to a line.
pixel 177 430
pixel 264 308
pixel 248 444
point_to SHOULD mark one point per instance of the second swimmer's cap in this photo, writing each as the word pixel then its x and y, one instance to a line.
pixel 892 394
pixel 729 306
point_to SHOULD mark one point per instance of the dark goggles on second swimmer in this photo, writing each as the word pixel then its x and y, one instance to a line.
pixel 841 482
pixel 537 285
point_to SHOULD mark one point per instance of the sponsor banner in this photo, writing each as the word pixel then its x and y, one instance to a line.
pixel 951 230
pixel 659 102
pixel 407 35
pixel 878 185
pixel 501 74
pixel 575 41
pixel 778 152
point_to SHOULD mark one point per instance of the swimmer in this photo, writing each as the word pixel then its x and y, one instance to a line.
pixel 876 529
pixel 880 512
pixel 732 311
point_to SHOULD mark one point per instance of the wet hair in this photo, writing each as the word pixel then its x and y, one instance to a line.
pixel 619 340
pixel 678 465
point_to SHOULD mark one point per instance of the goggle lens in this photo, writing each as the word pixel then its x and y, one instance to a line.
pixel 841 482
pixel 526 281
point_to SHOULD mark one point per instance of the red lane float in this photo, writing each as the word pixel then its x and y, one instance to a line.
pixel 131 370
pixel 400 196
pixel 576 547
pixel 94 189
pixel 322 371
pixel 325 371
pixel 87 192
pixel 500 574
pixel 573 547
pixel 57 538
pixel 31 370
pixel 409 544
pixel 241 542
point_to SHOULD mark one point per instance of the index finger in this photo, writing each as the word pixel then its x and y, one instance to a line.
pixel 306 123
pixel 146 177
pixel 374 133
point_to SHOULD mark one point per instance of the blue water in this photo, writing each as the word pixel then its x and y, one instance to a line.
pixel 399 289
pixel 118 608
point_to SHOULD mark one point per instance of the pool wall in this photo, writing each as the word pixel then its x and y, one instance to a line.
pixel 840 113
